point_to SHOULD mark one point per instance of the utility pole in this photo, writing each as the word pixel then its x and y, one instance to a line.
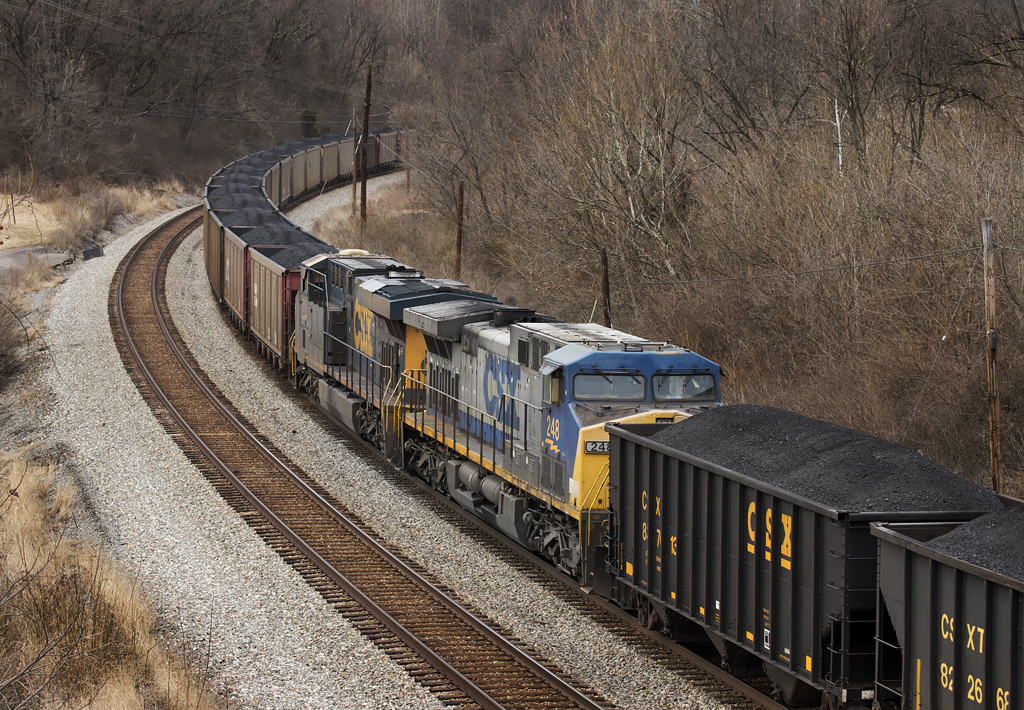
pixel 365 145
pixel 355 161
pixel 606 289
pixel 458 233
pixel 995 432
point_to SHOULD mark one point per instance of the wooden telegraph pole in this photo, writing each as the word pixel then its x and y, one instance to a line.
pixel 606 289
pixel 458 233
pixel 355 161
pixel 995 432
pixel 362 154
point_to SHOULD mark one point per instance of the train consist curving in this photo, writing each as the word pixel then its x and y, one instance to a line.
pixel 611 456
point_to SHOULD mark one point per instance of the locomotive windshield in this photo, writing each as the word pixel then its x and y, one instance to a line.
pixel 677 387
pixel 609 387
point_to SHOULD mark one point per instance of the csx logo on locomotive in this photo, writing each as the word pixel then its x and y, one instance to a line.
pixel 362 327
pixel 501 377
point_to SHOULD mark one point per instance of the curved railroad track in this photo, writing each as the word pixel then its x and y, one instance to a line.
pixel 440 643
pixel 697 665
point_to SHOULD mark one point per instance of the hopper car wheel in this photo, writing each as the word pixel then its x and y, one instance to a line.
pixel 647 615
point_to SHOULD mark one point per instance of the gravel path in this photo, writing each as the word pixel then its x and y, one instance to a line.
pixel 273 643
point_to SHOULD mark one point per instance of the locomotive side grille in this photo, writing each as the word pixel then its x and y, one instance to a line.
pixel 540 349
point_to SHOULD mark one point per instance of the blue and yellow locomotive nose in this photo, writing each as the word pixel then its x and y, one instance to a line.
pixel 591 386
pixel 588 487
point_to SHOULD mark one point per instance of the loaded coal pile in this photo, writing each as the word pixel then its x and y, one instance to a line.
pixel 834 466
pixel 994 541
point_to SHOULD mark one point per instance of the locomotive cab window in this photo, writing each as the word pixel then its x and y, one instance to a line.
pixel 679 387
pixel 315 287
pixel 553 386
pixel 609 387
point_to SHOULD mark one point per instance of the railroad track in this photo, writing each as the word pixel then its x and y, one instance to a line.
pixel 440 642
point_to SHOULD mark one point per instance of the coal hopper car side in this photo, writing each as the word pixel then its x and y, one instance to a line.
pixel 754 525
pixel 951 615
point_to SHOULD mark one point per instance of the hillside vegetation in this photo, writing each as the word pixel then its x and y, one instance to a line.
pixel 763 175
pixel 709 144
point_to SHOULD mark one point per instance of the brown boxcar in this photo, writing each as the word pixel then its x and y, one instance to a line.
pixel 329 171
pixel 213 251
pixel 285 188
pixel 272 184
pixel 236 277
pixel 269 298
pixel 388 146
pixel 314 167
pixel 298 174
pixel 345 159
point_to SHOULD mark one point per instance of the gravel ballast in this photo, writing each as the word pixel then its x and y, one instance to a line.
pixel 271 641
pixel 826 463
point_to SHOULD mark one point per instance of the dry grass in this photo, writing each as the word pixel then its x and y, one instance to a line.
pixel 64 217
pixel 74 631
pixel 61 216
pixel 79 212
pixel 396 226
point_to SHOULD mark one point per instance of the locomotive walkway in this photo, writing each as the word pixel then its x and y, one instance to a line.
pixel 440 643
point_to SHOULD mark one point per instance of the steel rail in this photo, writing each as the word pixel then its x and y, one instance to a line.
pixel 677 649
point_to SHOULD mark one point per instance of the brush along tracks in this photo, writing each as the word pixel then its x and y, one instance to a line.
pixel 439 642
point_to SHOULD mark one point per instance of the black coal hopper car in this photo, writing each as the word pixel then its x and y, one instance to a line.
pixel 754 525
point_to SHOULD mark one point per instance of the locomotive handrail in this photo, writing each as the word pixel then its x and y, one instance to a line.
pixel 391 395
pixel 607 470
pixel 483 416
pixel 363 359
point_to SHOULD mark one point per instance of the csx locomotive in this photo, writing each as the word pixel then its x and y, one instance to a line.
pixel 501 408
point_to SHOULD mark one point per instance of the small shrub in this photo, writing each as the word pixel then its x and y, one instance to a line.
pixel 74 631
pixel 92 208
pixel 12 333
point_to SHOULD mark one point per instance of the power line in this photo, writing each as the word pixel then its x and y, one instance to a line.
pixel 140 113
pixel 793 273
pixel 101 101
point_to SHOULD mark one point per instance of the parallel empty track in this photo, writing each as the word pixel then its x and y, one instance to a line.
pixel 441 644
